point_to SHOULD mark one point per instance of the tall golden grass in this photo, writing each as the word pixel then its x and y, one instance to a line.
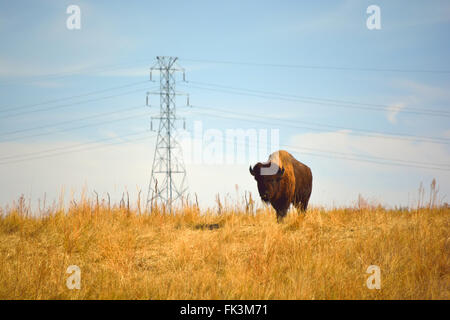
pixel 124 253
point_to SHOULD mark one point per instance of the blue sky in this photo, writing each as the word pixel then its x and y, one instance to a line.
pixel 118 42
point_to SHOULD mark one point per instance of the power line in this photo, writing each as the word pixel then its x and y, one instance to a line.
pixel 319 67
pixel 37 155
pixel 338 155
pixel 98 115
pixel 75 128
pixel 384 106
pixel 79 71
pixel 374 134
pixel 81 150
pixel 371 157
pixel 79 127
pixel 363 158
pixel 70 104
pixel 403 164
pixel 114 67
pixel 328 102
pixel 26 106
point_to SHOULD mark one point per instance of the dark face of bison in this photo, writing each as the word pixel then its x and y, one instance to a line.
pixel 267 184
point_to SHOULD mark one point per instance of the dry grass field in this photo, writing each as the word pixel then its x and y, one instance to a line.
pixel 126 254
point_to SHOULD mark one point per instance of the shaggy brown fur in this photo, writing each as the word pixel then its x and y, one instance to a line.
pixel 289 182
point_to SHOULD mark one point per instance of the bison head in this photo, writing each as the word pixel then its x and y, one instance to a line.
pixel 267 183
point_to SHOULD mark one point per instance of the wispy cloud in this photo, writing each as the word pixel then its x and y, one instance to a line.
pixel 393 111
pixel 414 94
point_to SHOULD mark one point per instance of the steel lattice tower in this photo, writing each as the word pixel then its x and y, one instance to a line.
pixel 167 182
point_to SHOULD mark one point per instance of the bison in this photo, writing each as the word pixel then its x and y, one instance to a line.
pixel 283 181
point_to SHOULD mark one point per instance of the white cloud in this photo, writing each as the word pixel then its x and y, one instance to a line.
pixel 109 169
pixel 393 111
pixel 417 95
pixel 341 180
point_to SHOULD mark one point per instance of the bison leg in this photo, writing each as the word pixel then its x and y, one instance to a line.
pixel 304 205
pixel 301 206
pixel 281 214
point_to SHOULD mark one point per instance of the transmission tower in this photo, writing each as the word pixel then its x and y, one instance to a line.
pixel 167 182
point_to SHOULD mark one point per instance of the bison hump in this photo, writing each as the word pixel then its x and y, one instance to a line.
pixel 282 158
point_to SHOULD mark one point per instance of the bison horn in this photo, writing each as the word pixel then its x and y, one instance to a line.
pixel 251 171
